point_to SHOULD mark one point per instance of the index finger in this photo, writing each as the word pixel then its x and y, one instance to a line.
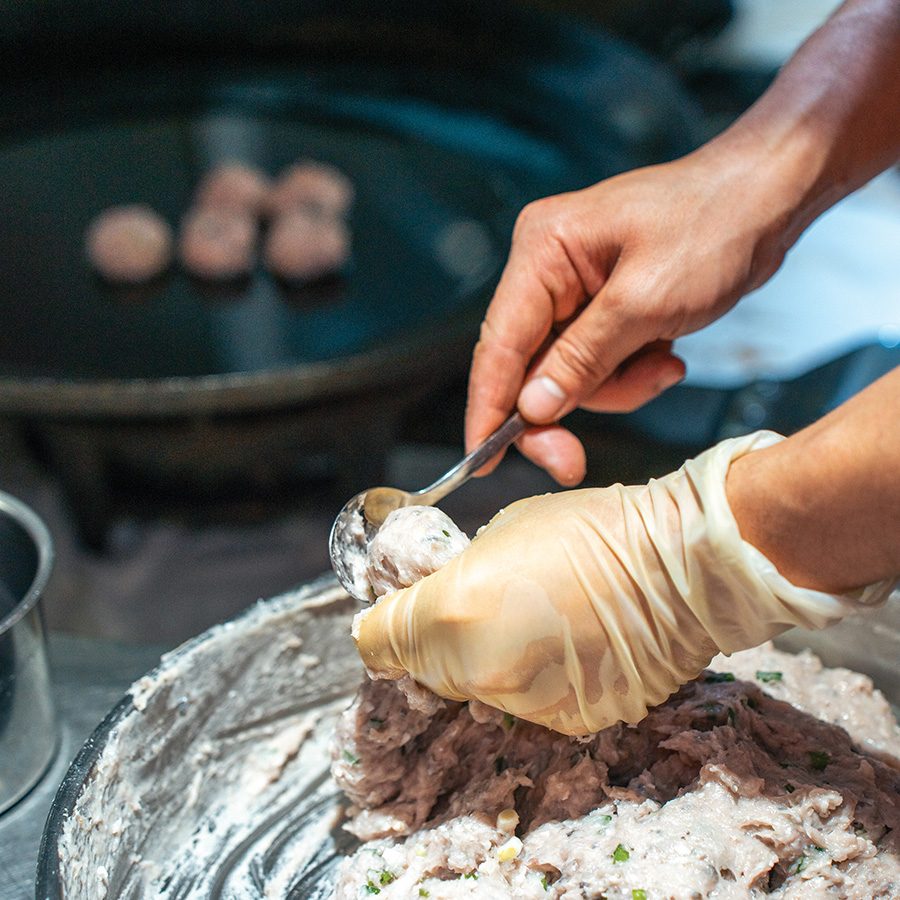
pixel 517 321
pixel 539 284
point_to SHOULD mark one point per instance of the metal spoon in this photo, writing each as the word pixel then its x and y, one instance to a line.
pixel 361 516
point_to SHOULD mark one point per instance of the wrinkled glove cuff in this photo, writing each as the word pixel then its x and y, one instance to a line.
pixel 766 603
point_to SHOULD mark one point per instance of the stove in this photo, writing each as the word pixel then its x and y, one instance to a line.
pixel 172 567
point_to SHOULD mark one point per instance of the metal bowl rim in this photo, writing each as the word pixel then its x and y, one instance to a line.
pixel 47 880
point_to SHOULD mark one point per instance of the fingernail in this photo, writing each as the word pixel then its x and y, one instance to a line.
pixel 541 399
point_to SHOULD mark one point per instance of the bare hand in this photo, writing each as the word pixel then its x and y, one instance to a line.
pixel 598 284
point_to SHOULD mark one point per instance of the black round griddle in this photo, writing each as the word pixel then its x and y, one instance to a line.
pixel 448 117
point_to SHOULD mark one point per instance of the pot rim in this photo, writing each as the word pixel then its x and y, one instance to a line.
pixel 34 526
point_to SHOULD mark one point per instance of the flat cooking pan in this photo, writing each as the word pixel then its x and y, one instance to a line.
pixel 449 116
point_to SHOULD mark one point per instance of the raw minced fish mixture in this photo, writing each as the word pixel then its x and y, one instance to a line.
pixel 768 776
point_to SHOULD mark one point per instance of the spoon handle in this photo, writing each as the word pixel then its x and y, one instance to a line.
pixel 511 429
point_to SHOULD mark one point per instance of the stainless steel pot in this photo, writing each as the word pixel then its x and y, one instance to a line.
pixel 28 732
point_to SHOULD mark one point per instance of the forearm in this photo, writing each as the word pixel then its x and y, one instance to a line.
pixel 824 505
pixel 829 122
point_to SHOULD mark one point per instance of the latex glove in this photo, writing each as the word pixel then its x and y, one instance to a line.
pixel 579 609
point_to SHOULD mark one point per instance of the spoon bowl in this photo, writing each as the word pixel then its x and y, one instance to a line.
pixel 347 547
pixel 380 502
pixel 362 515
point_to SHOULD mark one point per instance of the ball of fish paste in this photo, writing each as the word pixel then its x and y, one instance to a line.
pixel 317 186
pixel 234 186
pixel 129 244
pixel 413 542
pixel 303 247
pixel 218 243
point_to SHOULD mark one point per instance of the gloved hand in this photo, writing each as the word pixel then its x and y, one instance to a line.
pixel 579 609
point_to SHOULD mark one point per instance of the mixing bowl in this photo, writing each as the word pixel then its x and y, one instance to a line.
pixel 210 778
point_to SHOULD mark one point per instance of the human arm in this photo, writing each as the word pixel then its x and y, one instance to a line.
pixel 824 505
pixel 600 281
pixel 578 609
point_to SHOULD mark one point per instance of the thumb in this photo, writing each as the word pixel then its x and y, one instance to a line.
pixel 383 634
pixel 411 632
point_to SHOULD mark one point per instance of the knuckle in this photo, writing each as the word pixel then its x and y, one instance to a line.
pixel 546 218
pixel 531 215
pixel 642 298
pixel 487 335
pixel 479 350
pixel 623 298
pixel 580 360
pixel 495 357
